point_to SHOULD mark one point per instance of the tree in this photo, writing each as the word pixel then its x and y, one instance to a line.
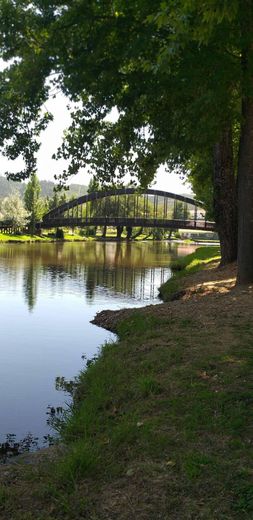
pixel 33 203
pixel 213 181
pixel 173 70
pixel 229 26
pixel 245 164
pixel 201 179
pixel 12 208
pixel 94 185
pixel 180 75
pixel 57 199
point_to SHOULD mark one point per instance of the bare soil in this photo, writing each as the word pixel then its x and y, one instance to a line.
pixel 207 294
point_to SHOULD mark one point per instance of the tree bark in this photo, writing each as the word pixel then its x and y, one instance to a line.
pixel 245 160
pixel 245 196
pixel 225 197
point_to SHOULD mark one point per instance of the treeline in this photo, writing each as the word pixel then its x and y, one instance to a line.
pixel 47 188
pixel 24 207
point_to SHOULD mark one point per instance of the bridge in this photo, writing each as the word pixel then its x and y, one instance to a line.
pixel 128 207
pixel 6 225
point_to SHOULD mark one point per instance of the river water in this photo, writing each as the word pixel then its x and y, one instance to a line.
pixel 48 295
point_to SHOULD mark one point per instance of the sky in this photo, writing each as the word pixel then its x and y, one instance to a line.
pixel 51 139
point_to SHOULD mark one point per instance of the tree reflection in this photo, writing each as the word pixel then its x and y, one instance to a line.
pixel 31 279
pixel 90 268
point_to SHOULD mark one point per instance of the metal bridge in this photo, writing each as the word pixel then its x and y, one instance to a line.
pixel 130 208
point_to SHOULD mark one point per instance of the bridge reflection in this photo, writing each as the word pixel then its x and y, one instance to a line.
pixel 139 284
pixel 95 270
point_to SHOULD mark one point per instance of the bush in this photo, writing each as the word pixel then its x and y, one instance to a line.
pixel 149 386
pixel 91 231
pixel 176 265
pixel 158 234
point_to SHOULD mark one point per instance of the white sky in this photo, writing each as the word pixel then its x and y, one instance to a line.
pixel 51 139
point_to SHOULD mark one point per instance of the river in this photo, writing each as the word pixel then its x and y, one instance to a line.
pixel 48 295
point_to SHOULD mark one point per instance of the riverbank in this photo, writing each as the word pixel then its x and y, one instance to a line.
pixel 175 287
pixel 162 423
pixel 28 239
pixel 74 237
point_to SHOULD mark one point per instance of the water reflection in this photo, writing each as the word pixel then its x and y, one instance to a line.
pixel 31 279
pixel 130 270
pixel 48 295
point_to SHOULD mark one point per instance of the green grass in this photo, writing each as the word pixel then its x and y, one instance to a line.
pixel 8 237
pixel 74 237
pixel 68 237
pixel 187 265
pixel 200 257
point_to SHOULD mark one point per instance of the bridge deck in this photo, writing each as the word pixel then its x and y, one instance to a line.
pixel 202 225
pixel 6 225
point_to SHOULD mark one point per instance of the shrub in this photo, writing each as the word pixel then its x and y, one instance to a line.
pixel 91 231
pixel 149 386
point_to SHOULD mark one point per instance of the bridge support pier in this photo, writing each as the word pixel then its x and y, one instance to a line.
pixel 129 231
pixel 104 232
pixel 119 231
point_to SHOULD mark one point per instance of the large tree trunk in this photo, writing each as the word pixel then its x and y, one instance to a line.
pixel 225 197
pixel 245 196
pixel 245 163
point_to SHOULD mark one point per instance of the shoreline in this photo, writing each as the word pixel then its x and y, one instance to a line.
pixel 40 241
pixel 45 240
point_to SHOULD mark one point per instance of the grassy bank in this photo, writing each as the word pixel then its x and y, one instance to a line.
pixel 188 265
pixel 9 237
pixel 12 238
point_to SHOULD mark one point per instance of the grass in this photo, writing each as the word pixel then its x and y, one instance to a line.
pixel 161 428
pixel 8 237
pixel 187 265
pixel 74 237
pixel 71 237
pixel 68 237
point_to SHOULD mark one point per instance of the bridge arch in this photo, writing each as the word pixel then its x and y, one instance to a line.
pixel 131 207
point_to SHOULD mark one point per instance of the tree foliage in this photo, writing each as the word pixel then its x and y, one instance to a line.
pixel 12 209
pixel 201 178
pixel 160 64
pixel 33 202
pixel 179 74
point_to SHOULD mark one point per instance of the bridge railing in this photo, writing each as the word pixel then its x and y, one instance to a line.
pixel 128 207
pixel 6 224
pixel 199 224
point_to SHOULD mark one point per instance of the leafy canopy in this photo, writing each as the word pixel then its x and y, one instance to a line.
pixel 172 69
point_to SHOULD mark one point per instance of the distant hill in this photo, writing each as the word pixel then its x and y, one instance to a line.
pixel 47 188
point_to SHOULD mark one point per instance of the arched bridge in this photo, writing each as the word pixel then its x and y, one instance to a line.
pixel 131 208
